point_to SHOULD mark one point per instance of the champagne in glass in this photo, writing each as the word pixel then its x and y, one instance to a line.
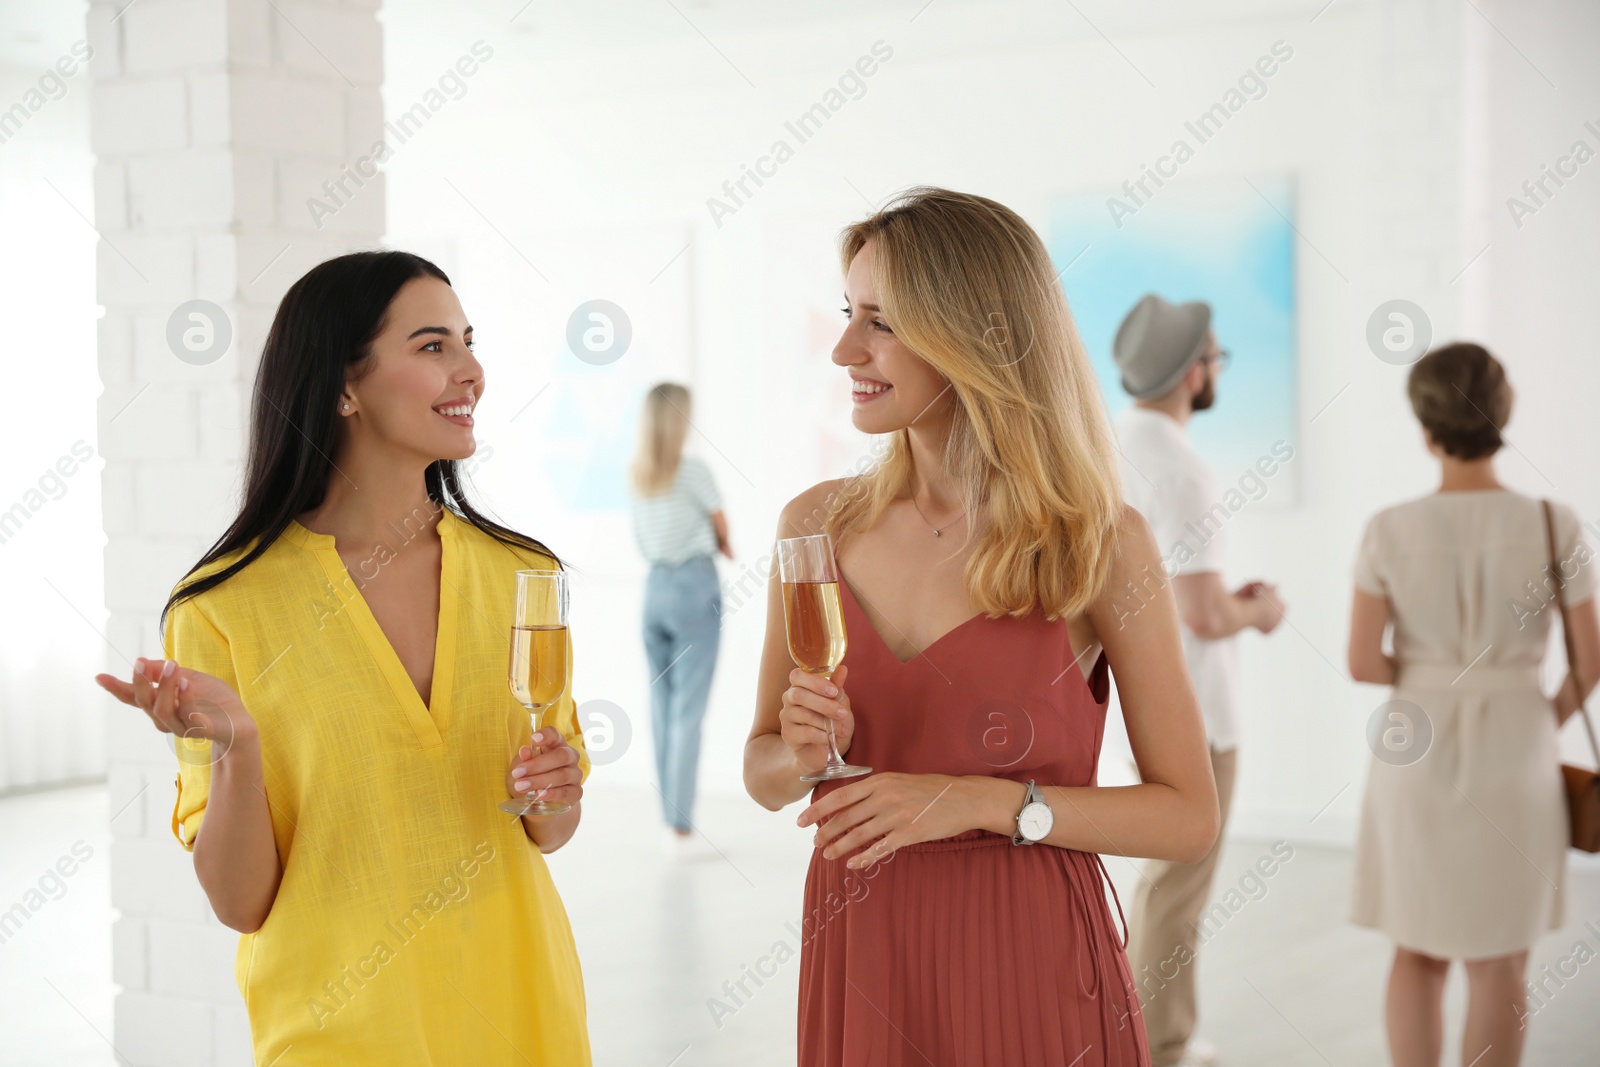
pixel 538 664
pixel 815 623
pixel 538 668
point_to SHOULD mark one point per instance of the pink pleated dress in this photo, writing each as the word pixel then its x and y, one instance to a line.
pixel 969 950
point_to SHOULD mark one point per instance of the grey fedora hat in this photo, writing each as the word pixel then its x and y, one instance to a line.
pixel 1157 342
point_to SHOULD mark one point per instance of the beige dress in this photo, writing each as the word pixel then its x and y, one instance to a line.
pixel 1461 852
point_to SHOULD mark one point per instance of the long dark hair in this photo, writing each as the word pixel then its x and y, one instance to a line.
pixel 325 324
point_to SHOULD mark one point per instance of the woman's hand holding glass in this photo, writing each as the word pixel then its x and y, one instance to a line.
pixel 548 769
pixel 808 704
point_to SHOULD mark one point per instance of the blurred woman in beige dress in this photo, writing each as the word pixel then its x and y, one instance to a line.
pixel 1463 836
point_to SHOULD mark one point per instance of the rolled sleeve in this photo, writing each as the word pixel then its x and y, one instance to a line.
pixel 563 715
pixel 1368 574
pixel 196 643
pixel 565 719
pixel 1577 559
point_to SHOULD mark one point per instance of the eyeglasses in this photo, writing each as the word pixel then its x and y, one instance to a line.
pixel 1221 358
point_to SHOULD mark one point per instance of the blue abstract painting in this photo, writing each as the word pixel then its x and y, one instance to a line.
pixel 1229 243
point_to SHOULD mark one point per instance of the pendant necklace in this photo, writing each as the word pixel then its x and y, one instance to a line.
pixel 937 529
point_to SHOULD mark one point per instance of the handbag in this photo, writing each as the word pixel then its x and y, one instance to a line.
pixel 1582 785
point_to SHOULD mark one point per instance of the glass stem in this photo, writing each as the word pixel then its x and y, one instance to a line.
pixel 834 759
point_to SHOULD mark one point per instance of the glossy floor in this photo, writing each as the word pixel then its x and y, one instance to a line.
pixel 666 943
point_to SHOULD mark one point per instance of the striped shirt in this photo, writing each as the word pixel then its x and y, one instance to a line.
pixel 675 526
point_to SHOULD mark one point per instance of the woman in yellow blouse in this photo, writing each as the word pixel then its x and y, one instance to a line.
pixel 336 674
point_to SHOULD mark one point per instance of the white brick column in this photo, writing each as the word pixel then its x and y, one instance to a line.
pixel 214 122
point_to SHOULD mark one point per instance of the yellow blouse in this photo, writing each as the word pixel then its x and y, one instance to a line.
pixel 416 923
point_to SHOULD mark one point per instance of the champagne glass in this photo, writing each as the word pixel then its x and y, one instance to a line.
pixel 538 670
pixel 814 619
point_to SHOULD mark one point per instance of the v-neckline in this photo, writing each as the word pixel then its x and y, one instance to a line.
pixel 428 720
pixel 885 645
pixel 935 642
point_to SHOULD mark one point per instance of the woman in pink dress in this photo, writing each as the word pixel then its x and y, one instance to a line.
pixel 954 910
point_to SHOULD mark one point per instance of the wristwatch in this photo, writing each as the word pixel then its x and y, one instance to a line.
pixel 1035 818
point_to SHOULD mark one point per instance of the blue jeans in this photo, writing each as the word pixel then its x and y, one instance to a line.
pixel 682 628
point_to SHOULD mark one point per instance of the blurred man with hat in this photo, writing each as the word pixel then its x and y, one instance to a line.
pixel 1169 361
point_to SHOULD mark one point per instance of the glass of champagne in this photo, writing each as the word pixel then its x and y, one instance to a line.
pixel 814 620
pixel 538 670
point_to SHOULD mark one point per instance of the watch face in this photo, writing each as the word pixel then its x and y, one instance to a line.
pixel 1035 821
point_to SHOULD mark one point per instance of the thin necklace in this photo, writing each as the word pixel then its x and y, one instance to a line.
pixel 936 529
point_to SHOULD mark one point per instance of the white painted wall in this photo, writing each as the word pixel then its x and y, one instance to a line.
pixel 1534 302
pixel 211 122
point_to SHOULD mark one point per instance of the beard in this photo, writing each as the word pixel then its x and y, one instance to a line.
pixel 1204 398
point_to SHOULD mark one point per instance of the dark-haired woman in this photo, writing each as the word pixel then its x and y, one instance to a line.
pixel 1463 834
pixel 335 670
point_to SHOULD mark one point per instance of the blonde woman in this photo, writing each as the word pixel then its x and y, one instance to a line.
pixel 1463 835
pixel 678 524
pixel 954 909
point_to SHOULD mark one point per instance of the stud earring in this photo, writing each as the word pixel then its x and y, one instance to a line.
pixel 347 407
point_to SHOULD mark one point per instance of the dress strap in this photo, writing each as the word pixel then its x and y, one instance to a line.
pixel 1092 915
pixel 1092 931
pixel 1120 917
pixel 1100 967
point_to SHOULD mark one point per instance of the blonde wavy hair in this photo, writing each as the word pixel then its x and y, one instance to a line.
pixel 968 286
pixel 663 427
